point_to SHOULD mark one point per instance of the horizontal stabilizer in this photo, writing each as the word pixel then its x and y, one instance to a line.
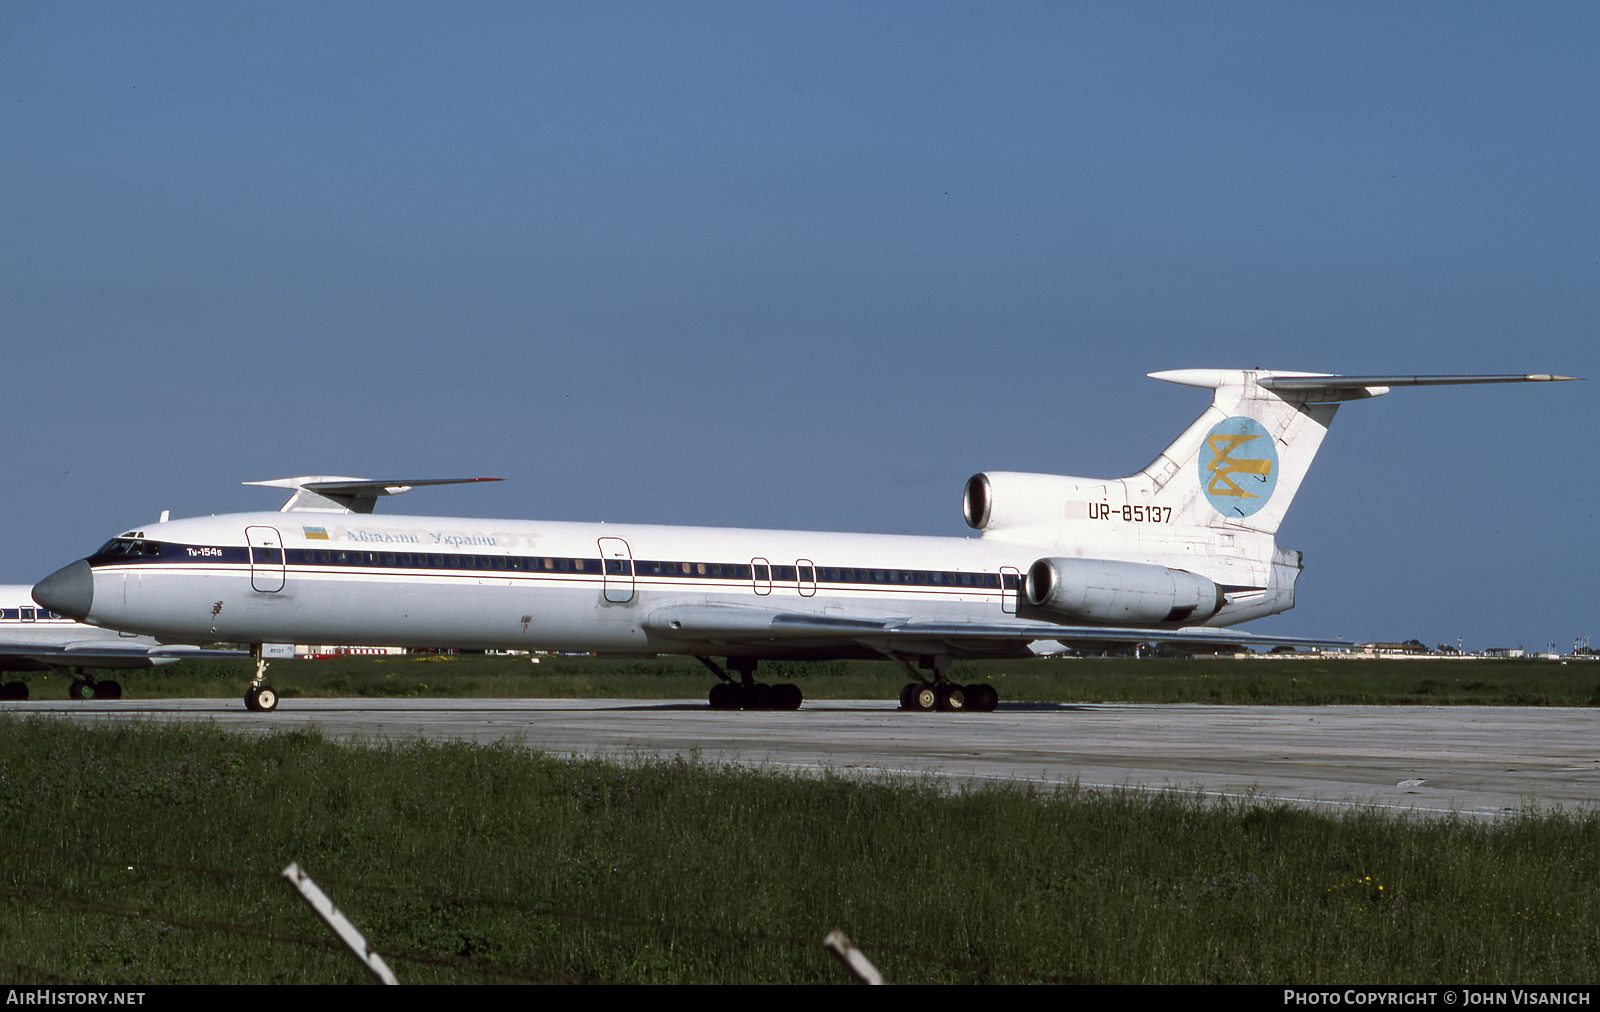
pixel 1343 388
pixel 1350 382
pixel 326 493
pixel 1326 387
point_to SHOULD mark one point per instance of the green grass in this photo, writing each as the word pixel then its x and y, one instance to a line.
pixel 1196 680
pixel 146 854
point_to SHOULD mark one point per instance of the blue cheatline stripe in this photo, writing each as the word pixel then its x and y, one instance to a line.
pixel 145 553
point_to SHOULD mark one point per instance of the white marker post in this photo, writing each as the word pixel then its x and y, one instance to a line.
pixel 324 908
pixel 854 960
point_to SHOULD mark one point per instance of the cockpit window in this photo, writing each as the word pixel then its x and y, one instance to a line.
pixel 129 546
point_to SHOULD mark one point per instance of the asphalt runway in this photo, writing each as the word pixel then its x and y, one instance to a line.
pixel 1476 761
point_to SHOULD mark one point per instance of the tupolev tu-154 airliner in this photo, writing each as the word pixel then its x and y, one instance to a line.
pixel 1175 553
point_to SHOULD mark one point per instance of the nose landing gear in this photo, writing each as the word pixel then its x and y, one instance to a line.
pixel 260 697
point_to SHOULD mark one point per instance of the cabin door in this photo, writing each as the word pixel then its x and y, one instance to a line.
pixel 806 576
pixel 616 561
pixel 266 559
pixel 1010 589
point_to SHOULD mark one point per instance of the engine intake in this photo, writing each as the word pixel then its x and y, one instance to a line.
pixel 1121 593
pixel 1014 501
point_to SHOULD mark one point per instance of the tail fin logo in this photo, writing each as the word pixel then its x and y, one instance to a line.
pixel 1238 466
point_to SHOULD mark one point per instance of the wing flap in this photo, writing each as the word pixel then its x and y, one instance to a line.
pixel 968 632
pixel 734 624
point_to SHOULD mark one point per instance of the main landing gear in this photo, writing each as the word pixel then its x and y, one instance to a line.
pixel 747 693
pixel 260 697
pixel 939 693
pixel 86 686
pixel 14 691
pixel 979 697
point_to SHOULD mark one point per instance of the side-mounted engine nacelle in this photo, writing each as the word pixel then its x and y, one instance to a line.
pixel 1123 593
pixel 999 501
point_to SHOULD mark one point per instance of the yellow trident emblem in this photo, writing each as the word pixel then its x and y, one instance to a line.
pixel 1222 465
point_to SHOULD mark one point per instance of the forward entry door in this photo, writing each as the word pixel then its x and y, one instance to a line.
pixel 266 559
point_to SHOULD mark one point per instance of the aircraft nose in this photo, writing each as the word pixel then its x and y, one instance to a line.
pixel 68 591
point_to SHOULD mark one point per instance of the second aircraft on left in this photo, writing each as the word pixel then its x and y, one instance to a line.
pixel 37 639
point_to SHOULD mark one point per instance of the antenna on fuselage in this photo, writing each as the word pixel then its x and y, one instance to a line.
pixel 326 493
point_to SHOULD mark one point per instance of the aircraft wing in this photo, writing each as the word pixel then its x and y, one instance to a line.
pixel 755 626
pixel 100 654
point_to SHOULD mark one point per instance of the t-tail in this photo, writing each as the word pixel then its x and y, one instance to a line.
pixel 1242 461
pixel 1237 468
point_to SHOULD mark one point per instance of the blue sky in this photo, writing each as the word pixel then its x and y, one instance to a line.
pixel 809 265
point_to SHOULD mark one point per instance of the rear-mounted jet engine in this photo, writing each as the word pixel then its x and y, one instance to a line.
pixel 1121 593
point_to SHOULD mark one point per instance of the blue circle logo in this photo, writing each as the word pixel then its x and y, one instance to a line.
pixel 1238 466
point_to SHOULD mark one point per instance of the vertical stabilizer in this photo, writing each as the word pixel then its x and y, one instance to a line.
pixel 1237 468
pixel 1241 462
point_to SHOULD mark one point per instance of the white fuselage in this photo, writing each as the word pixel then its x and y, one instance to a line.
pixel 517 584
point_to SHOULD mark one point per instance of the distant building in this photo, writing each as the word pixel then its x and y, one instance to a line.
pixel 1408 647
pixel 322 652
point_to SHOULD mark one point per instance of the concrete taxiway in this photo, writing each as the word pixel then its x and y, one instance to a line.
pixel 1477 761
